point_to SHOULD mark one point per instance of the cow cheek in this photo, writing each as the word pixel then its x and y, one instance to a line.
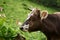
pixel 31 24
pixel 31 27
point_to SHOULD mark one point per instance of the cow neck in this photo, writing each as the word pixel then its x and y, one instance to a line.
pixel 48 26
pixel 43 26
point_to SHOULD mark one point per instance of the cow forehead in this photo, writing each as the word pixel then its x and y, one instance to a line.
pixel 29 15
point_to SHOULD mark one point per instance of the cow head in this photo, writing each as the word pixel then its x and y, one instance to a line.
pixel 34 20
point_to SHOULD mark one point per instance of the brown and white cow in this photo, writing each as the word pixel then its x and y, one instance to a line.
pixel 49 24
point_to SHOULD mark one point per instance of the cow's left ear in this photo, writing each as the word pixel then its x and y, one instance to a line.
pixel 43 14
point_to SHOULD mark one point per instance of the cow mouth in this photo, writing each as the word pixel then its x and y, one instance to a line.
pixel 25 27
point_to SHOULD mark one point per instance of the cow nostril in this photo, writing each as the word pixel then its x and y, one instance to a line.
pixel 26 28
pixel 21 28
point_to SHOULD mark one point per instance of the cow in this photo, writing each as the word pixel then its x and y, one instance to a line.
pixel 39 20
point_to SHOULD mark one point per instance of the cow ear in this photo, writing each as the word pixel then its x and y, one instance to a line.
pixel 43 14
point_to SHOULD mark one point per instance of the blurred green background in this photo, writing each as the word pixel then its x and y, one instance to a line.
pixel 18 10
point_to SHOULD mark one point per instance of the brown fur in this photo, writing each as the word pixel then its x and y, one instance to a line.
pixel 49 26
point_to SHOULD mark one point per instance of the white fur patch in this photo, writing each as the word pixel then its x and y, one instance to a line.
pixel 29 15
pixel 57 13
pixel 26 27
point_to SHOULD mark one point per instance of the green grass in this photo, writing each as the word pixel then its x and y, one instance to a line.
pixel 16 9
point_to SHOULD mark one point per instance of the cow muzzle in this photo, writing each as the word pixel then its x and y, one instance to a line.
pixel 25 27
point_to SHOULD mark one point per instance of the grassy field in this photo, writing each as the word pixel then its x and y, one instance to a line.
pixel 18 9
